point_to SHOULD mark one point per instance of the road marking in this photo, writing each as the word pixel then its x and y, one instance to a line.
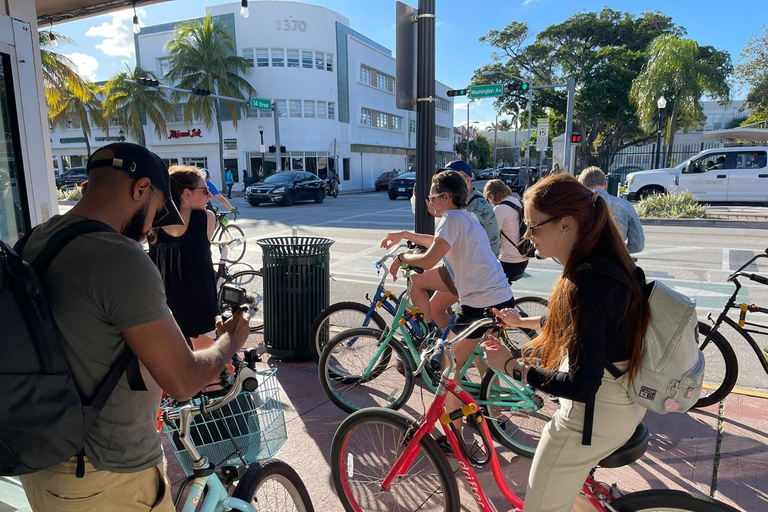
pixel 670 250
pixel 726 259
pixel 698 292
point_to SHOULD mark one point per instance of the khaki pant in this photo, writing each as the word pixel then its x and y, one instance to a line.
pixel 57 489
pixel 562 463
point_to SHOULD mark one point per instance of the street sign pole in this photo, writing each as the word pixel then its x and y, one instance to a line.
pixel 567 160
pixel 278 153
pixel 425 114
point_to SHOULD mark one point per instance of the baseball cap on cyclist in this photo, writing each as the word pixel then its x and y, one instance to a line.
pixel 139 162
pixel 458 166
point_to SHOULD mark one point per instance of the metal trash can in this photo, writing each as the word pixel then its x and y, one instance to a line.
pixel 296 289
pixel 613 185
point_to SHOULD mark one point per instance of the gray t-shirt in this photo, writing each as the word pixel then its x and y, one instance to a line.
pixel 99 285
pixel 483 210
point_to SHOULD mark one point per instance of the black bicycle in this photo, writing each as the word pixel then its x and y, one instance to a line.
pixel 722 367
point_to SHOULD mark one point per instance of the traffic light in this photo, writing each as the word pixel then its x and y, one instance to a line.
pixel 283 150
pixel 576 138
pixel 457 92
pixel 149 82
pixel 517 86
pixel 201 92
pixel 272 148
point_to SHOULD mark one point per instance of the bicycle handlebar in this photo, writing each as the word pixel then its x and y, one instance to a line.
pixel 752 277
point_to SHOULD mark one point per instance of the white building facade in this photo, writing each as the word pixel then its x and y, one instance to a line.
pixel 334 90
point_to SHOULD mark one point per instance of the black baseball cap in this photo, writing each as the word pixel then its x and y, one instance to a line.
pixel 139 162
pixel 458 166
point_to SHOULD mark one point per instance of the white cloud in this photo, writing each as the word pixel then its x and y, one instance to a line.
pixel 86 65
pixel 117 34
pixel 527 2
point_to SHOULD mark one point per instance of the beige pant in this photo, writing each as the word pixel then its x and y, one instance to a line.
pixel 562 463
pixel 57 489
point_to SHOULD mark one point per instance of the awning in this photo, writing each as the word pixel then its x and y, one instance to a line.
pixel 58 11
pixel 740 133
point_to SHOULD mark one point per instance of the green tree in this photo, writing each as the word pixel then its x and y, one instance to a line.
pixel 64 107
pixel 682 71
pixel 59 75
pixel 752 73
pixel 504 125
pixel 203 56
pixel 481 150
pixel 603 51
pixel 132 104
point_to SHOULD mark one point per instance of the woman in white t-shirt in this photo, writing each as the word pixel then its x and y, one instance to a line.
pixel 475 274
pixel 500 196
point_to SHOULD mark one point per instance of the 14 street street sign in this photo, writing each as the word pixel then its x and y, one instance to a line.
pixel 261 104
pixel 486 91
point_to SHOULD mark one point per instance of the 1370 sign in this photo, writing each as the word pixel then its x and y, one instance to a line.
pixel 291 25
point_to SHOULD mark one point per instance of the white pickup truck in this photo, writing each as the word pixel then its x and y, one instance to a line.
pixel 733 175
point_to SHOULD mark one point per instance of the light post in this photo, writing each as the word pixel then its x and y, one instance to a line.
pixel 495 140
pixel 530 104
pixel 263 163
pixel 469 102
pixel 662 103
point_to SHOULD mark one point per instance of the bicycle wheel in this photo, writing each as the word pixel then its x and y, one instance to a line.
pixel 273 486
pixel 721 369
pixel 528 307
pixel 514 425
pixel 235 252
pixel 337 318
pixel 253 282
pixel 667 500
pixel 344 360
pixel 365 447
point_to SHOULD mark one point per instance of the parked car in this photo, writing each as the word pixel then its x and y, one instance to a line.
pixel 382 182
pixel 402 186
pixel 720 175
pixel 484 174
pixel 285 188
pixel 621 172
pixel 71 178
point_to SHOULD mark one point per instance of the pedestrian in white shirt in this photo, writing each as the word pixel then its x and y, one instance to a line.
pixel 507 209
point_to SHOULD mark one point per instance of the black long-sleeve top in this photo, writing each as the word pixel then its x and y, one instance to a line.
pixel 601 301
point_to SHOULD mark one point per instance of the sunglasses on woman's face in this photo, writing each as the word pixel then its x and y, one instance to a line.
pixel 532 229
pixel 207 190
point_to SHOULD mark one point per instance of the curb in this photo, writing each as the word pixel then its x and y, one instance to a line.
pixel 707 223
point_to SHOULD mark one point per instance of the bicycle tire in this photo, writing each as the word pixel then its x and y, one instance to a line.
pixel 668 500
pixel 348 354
pixel 234 254
pixel 337 318
pixel 529 306
pixel 519 431
pixel 274 486
pixel 717 345
pixel 253 282
pixel 375 459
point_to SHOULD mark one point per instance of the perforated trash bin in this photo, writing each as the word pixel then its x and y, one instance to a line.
pixel 296 289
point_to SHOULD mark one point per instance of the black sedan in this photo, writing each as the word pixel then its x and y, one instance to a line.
pixel 402 186
pixel 285 188
pixel 71 178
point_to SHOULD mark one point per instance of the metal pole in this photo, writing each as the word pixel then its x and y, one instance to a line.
pixel 567 163
pixel 495 139
pixel 530 105
pixel 278 153
pixel 658 142
pixel 425 114
pixel 469 102
pixel 263 159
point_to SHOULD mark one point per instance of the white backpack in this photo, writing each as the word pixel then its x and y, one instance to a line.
pixel 672 366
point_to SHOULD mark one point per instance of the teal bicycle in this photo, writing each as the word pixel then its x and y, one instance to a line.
pixel 366 367
pixel 230 435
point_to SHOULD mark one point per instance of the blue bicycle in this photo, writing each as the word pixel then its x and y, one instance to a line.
pixel 230 435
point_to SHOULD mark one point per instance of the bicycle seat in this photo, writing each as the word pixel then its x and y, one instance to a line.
pixel 630 451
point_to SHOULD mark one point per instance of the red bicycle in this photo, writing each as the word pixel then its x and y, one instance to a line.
pixel 382 460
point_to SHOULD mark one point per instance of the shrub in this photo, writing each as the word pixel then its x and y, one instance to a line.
pixel 74 195
pixel 60 194
pixel 671 206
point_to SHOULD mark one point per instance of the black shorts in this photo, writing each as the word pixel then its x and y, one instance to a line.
pixel 467 314
pixel 514 271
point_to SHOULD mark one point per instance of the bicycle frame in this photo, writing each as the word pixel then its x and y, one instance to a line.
pixel 739 326
pixel 594 491
pixel 216 499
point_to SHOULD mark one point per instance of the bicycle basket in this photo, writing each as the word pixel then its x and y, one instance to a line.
pixel 249 428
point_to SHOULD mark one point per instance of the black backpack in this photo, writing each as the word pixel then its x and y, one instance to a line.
pixel 524 247
pixel 44 418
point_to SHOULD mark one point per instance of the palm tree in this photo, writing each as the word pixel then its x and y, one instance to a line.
pixel 681 70
pixel 504 125
pixel 63 107
pixel 203 56
pixel 131 103
pixel 59 75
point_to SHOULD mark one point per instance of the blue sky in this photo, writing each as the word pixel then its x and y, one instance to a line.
pixel 104 43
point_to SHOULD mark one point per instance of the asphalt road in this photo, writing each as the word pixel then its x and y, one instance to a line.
pixel 694 260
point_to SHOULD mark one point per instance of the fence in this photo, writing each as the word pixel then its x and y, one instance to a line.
pixel 637 158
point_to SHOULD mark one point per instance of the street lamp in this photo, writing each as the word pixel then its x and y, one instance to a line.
pixel 530 104
pixel 662 103
pixel 263 164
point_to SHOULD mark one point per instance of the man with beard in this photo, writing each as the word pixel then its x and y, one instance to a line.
pixel 105 293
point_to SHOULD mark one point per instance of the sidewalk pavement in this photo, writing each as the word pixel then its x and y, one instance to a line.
pixel 681 454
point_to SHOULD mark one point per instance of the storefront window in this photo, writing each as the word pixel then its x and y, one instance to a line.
pixel 12 204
